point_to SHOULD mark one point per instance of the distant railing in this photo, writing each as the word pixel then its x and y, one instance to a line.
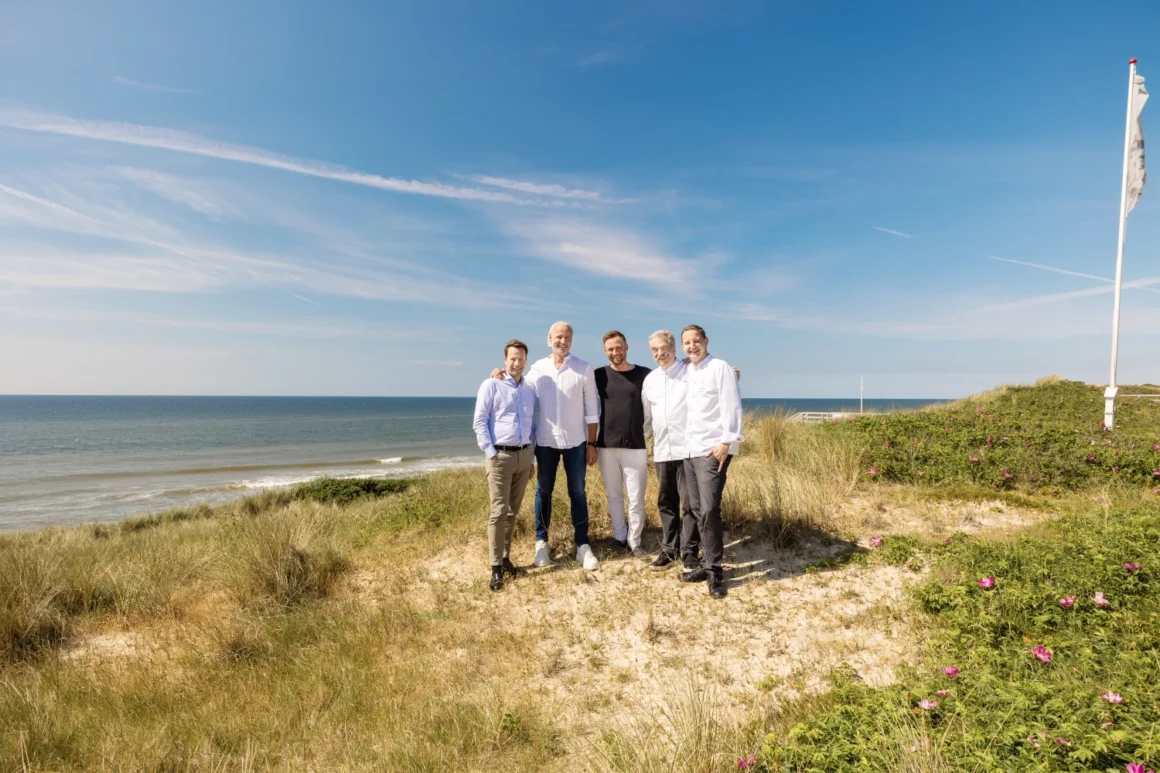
pixel 817 416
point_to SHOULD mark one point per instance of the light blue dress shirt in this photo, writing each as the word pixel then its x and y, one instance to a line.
pixel 505 414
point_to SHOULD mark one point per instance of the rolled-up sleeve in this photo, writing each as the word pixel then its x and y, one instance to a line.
pixel 481 424
pixel 591 397
pixel 731 413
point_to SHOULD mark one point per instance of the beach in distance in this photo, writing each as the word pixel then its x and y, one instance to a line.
pixel 71 459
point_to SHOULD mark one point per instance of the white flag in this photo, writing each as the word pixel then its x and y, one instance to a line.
pixel 1136 174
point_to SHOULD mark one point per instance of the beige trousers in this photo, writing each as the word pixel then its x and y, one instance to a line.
pixel 508 473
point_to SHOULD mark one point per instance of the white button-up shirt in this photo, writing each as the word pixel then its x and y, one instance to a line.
pixel 663 394
pixel 714 407
pixel 567 401
pixel 505 414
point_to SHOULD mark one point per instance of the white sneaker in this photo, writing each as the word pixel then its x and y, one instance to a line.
pixel 587 558
pixel 543 555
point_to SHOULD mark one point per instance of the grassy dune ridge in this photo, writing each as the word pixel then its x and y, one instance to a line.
pixel 281 632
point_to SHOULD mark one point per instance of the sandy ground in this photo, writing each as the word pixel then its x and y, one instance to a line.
pixel 618 643
pixel 624 638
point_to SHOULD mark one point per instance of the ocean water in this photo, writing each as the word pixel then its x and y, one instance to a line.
pixel 80 459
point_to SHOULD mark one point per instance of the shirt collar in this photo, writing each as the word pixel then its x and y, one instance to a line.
pixel 704 362
pixel 673 368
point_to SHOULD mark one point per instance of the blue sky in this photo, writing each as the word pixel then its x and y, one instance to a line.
pixel 371 198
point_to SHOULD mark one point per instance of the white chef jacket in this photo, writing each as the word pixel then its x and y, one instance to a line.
pixel 714 407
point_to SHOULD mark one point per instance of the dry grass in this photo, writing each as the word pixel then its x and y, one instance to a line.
pixel 289 557
pixel 689 731
pixel 789 479
pixel 276 634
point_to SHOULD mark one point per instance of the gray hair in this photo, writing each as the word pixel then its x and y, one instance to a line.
pixel 667 336
pixel 561 323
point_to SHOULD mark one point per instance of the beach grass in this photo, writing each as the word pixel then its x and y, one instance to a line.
pixel 284 631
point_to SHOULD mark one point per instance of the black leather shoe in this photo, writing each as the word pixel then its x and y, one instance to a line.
pixel 496 578
pixel 511 570
pixel 663 561
pixel 691 562
pixel 717 585
pixel 696 575
pixel 618 544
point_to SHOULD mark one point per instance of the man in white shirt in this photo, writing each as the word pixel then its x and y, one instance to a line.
pixel 663 397
pixel 711 436
pixel 505 429
pixel 567 423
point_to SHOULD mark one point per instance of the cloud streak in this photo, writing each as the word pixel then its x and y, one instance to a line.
pixel 142 86
pixel 539 189
pixel 181 191
pixel 892 231
pixel 1064 271
pixel 186 142
pixel 605 250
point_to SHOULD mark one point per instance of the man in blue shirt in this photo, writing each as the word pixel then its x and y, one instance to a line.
pixel 505 430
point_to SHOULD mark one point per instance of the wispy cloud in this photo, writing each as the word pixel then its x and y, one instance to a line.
pixel 1040 300
pixel 154 257
pixel 603 56
pixel 321 328
pixel 186 142
pixel 143 86
pixel 605 250
pixel 539 189
pixel 182 191
pixel 1066 272
pixel 892 231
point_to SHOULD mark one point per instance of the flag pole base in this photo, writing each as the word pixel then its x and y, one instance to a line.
pixel 1110 407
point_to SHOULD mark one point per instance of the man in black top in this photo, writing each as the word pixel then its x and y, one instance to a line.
pixel 620 442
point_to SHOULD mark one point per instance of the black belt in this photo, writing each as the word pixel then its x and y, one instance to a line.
pixel 512 448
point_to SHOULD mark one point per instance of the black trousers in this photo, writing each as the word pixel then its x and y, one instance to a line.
pixel 679 534
pixel 705 484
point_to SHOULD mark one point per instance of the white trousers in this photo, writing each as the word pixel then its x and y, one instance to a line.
pixel 625 471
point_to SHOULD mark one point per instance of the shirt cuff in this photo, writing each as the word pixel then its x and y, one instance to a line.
pixel 489 452
pixel 731 437
pixel 592 419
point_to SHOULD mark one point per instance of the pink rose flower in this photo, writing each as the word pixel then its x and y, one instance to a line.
pixel 1042 653
pixel 987 582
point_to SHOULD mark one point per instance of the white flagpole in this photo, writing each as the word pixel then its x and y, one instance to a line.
pixel 1110 392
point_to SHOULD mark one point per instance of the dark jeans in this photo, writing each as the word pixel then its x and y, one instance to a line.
pixel 706 484
pixel 575 470
pixel 679 535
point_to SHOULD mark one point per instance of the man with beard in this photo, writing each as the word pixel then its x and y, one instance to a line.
pixel 620 443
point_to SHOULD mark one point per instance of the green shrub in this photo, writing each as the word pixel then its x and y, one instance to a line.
pixel 1046 438
pixel 1006 707
pixel 341 491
